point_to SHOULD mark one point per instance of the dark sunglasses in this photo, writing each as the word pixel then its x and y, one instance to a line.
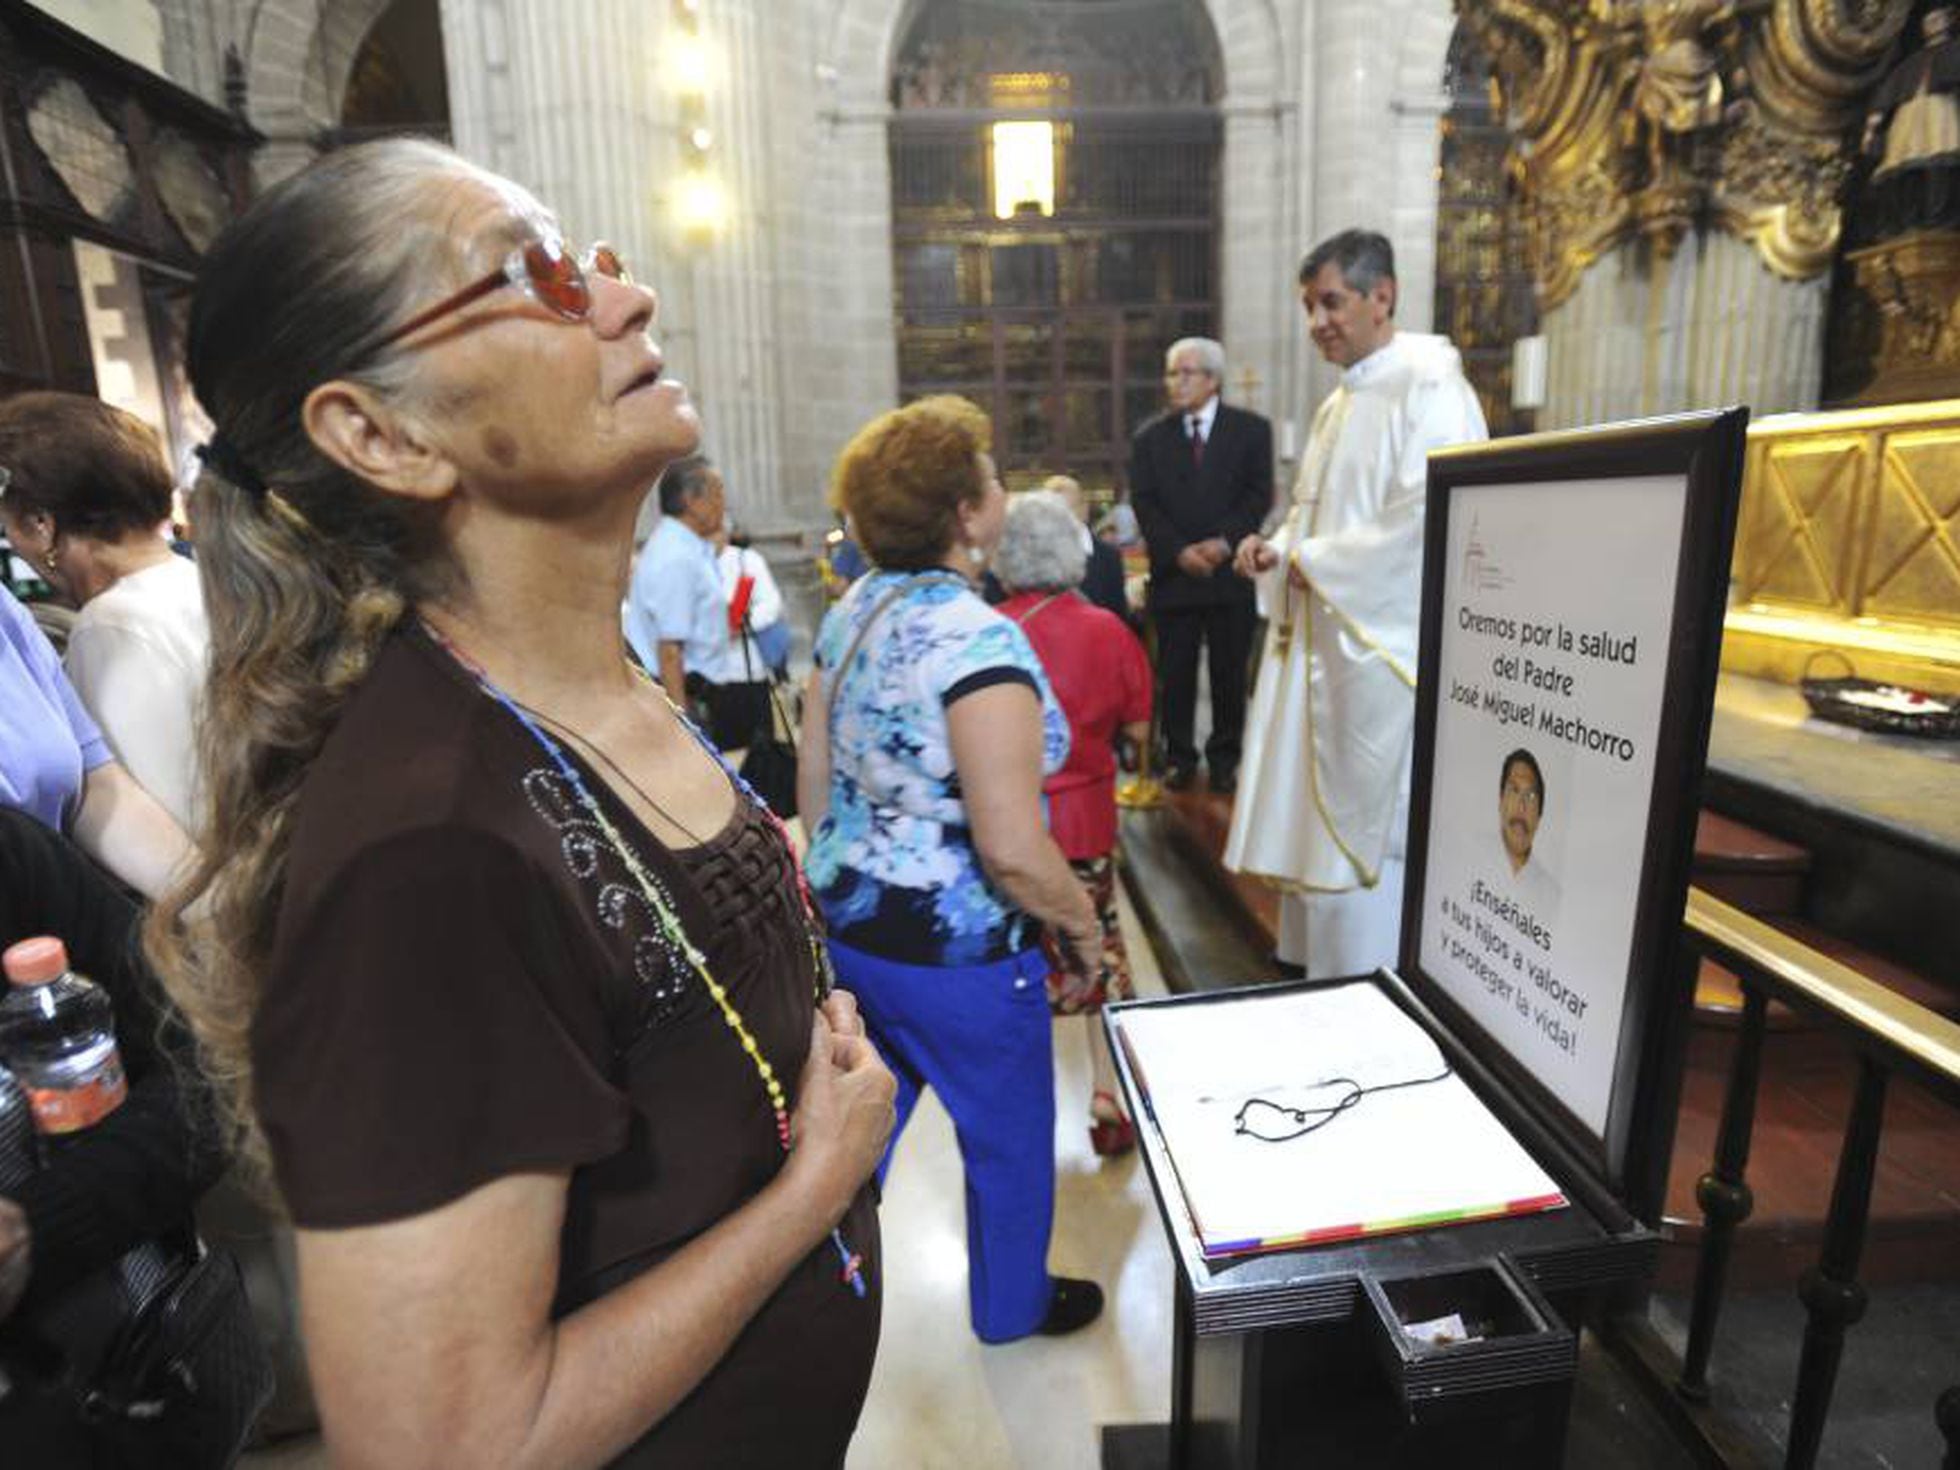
pixel 545 270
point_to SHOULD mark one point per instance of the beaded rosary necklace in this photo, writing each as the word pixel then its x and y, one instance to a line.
pixel 594 748
pixel 851 1268
pixel 819 956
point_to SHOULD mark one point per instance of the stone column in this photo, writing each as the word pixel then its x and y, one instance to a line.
pixel 834 192
pixel 1348 137
pixel 728 278
pixel 1374 95
pixel 1259 203
pixel 569 98
pixel 1417 105
pixel 193 48
pixel 559 95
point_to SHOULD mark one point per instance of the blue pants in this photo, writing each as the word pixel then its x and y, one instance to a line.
pixel 981 1037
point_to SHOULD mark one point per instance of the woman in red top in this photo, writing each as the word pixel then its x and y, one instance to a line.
pixel 1102 678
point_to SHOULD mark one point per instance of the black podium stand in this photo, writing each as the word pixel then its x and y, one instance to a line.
pixel 1299 1357
pixel 1292 1359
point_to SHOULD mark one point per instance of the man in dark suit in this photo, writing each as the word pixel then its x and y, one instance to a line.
pixel 1201 478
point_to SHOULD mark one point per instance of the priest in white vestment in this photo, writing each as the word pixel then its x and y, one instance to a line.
pixel 1323 789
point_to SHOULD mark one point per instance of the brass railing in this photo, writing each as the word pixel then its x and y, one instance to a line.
pixel 1892 1036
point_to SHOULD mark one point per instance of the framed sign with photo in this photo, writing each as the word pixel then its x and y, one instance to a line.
pixel 1573 595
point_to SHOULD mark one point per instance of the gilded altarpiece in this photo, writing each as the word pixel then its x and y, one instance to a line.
pixel 1484 299
pixel 1644 119
pixel 1634 125
pixel 1895 308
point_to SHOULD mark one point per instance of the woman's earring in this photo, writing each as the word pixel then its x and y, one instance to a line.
pixel 975 555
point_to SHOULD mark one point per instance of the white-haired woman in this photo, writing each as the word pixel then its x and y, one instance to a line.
pixel 1102 678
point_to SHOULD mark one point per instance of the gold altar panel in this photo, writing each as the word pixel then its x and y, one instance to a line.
pixel 1913 568
pixel 1799 527
pixel 1848 541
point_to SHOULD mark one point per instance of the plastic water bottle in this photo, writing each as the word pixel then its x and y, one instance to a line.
pixel 58 1037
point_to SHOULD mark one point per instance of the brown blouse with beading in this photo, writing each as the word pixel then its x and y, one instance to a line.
pixel 467 983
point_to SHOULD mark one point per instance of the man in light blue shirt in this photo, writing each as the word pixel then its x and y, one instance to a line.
pixel 676 612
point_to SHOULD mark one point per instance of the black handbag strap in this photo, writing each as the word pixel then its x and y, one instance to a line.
pixel 778 716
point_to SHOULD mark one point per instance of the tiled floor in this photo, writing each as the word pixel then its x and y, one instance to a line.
pixel 939 1398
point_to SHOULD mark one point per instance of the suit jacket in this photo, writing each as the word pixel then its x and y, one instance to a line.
pixel 1102 583
pixel 1179 503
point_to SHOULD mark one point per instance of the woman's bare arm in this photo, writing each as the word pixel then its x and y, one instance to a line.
pixel 813 756
pixel 995 734
pixel 431 1341
pixel 126 829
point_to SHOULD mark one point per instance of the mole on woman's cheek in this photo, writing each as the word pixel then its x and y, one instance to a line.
pixel 500 446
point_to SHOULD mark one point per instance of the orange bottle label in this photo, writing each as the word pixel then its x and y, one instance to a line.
pixel 82 1105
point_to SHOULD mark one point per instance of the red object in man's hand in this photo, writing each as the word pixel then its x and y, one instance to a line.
pixel 738 603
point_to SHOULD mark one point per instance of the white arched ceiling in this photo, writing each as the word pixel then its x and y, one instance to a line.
pixel 297 56
pixel 344 25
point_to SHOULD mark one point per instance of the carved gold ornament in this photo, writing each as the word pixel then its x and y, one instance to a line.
pixel 1914 284
pixel 1650 117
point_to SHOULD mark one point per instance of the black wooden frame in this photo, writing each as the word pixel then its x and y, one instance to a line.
pixel 1253 1334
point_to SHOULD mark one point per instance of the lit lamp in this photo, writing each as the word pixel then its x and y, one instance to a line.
pixel 1024 168
pixel 702 204
pixel 688 64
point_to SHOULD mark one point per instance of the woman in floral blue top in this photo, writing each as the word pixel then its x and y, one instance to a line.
pixel 928 729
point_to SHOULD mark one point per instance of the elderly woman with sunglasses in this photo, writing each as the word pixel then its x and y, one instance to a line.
pixel 513 982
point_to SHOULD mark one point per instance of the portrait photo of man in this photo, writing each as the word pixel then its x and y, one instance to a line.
pixel 1520 809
